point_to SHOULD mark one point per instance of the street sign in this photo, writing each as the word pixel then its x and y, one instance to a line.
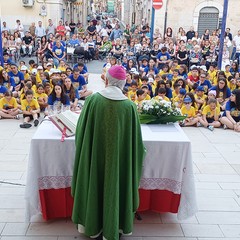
pixel 157 4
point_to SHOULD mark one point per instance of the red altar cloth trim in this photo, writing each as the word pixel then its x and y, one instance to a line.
pixel 158 201
pixel 58 203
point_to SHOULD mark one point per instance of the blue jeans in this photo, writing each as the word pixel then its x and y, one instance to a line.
pixel 237 57
pixel 233 53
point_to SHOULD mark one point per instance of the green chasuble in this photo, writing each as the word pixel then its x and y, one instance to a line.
pixel 107 169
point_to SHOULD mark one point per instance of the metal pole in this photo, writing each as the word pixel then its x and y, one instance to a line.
pixel 224 19
pixel 1 48
pixel 165 19
pixel 152 24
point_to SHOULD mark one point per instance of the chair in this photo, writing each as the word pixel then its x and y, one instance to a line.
pixel 79 54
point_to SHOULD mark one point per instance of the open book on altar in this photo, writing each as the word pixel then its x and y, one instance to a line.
pixel 66 122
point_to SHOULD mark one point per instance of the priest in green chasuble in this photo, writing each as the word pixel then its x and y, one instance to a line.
pixel 108 162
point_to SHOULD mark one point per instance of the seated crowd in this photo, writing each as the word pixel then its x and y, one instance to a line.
pixel 181 68
pixel 39 88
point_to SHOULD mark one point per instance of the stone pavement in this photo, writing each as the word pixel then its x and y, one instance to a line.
pixel 216 157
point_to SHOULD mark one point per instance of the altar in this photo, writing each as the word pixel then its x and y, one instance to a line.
pixel 167 182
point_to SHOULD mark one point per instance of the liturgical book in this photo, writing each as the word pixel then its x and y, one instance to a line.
pixel 66 122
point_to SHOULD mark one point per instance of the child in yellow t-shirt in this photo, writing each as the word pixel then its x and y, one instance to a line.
pixel 212 74
pixel 132 94
pixel 27 86
pixel 175 76
pixel 41 97
pixel 178 100
pixel 165 70
pixel 200 97
pixel 211 95
pixel 189 111
pixel 231 83
pixel 210 115
pixel 140 97
pixel 62 66
pixel 227 71
pixel 157 79
pixel 162 95
pixel 24 70
pixel 176 89
pixel 31 110
pixel 146 92
pixel 9 107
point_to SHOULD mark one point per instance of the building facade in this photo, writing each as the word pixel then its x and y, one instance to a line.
pixel 201 14
pixel 28 11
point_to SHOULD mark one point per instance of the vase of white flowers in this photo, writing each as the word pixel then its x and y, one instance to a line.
pixel 159 111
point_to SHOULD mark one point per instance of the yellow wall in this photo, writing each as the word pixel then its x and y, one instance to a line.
pixel 11 10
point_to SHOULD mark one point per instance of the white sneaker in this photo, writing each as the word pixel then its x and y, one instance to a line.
pixel 211 128
pixel 225 127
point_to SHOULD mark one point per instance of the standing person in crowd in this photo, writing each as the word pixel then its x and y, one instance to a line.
pixel 169 33
pixel 4 27
pixel 51 29
pixel 19 28
pixel 236 47
pixel 114 165
pixel 231 116
pixel 60 30
pixel 191 33
pixel 127 33
pixel 72 26
pixel 206 35
pixel 40 30
pixel 32 29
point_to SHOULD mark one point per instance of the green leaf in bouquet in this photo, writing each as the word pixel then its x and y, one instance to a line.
pixel 150 119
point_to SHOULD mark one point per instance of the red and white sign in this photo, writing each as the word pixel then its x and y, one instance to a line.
pixel 157 4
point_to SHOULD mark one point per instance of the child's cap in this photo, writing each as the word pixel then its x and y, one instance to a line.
pixel 169 76
pixel 200 88
pixel 192 67
pixel 213 92
pixel 203 67
pixel 39 68
pixel 49 64
pixel 34 71
pixel 187 99
pixel 24 68
pixel 134 71
pixel 182 91
pixel 150 80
